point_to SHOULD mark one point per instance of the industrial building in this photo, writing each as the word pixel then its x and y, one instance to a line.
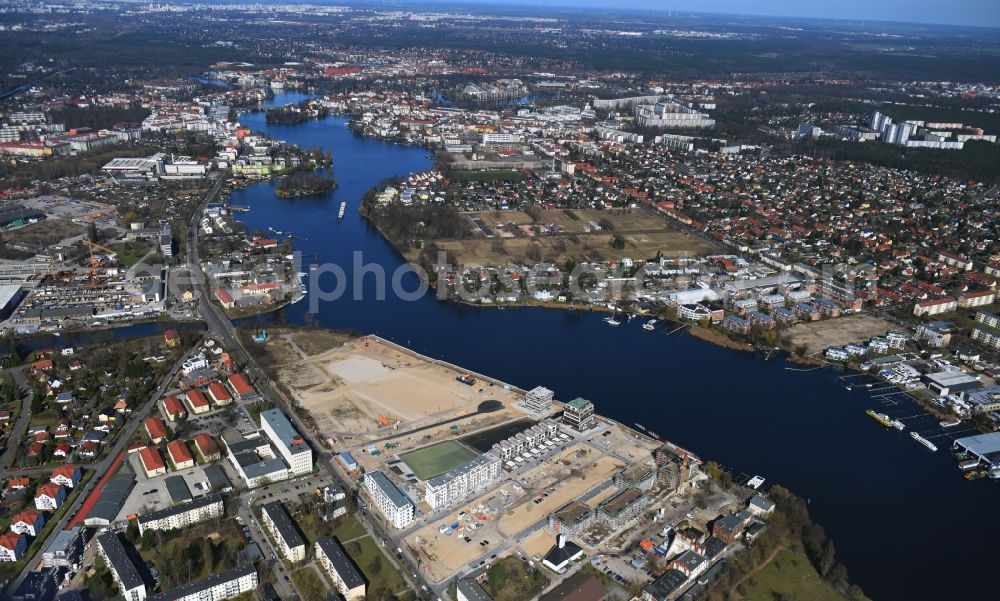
pixel 984 447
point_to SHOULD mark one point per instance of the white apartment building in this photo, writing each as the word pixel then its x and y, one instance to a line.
pixel 457 484
pixel 217 587
pixel 130 584
pixel 185 514
pixel 338 566
pixel 524 442
pixel 282 528
pixel 386 496
pixel 289 442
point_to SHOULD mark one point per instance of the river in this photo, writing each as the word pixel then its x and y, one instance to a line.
pixel 889 504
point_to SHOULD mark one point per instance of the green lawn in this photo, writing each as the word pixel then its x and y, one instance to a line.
pixel 374 566
pixel 437 458
pixel 792 576
pixel 511 579
pixel 129 253
pixel 309 584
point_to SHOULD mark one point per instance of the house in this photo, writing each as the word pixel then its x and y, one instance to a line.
pixel 730 527
pixel 207 447
pixel 28 522
pixel 241 387
pixel 220 396
pixel 152 462
pixel 88 448
pixel 173 408
pixel 196 401
pixel 690 563
pixel 18 483
pixel 62 450
pixel 180 456
pixel 156 429
pixel 66 475
pixel 12 547
pixel 48 497
pixel 760 505
pixel 172 338
pixel 225 299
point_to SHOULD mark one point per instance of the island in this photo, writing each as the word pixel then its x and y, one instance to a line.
pixel 304 184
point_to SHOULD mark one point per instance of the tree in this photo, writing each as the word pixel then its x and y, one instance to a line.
pixel 92 231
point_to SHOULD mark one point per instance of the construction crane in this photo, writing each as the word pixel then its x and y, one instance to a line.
pixel 95 260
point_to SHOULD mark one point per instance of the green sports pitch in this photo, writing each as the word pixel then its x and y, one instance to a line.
pixel 438 458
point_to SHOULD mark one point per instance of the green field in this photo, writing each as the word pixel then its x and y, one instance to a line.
pixel 790 576
pixel 437 459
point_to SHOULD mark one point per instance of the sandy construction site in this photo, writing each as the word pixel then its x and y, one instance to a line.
pixel 361 390
pixel 817 336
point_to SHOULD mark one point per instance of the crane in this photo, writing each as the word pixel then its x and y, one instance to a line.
pixel 95 260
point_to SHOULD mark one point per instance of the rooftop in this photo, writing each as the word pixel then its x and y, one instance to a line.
pixel 120 561
pixel 193 588
pixel 345 568
pixel 395 495
pixel 284 524
pixel 180 508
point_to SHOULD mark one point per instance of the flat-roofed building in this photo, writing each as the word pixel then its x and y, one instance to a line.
pixel 64 549
pixel 573 518
pixel 621 508
pixel 579 414
pixel 290 444
pixel 388 499
pixel 286 534
pixel 341 569
pixel 130 584
pixel 185 514
pixel 538 400
pixel 217 587
pixel 254 459
pixel 458 483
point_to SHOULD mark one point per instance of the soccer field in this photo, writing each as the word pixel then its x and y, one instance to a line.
pixel 437 458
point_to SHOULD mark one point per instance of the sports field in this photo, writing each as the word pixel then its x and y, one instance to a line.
pixel 437 459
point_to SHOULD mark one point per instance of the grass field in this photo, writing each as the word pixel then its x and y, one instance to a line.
pixel 511 579
pixel 437 459
pixel 129 253
pixel 790 576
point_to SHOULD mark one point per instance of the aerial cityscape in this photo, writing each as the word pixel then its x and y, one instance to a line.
pixel 471 300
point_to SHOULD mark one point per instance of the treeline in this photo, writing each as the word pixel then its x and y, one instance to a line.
pixel 402 224
pixel 97 117
pixel 286 115
pixel 304 183
pixel 20 175
pixel 978 160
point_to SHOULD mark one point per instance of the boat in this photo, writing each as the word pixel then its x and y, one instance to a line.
pixel 649 325
pixel 343 209
pixel 917 437
pixel 895 423
pixel 968 464
pixel 950 423
pixel 611 321
pixel 879 417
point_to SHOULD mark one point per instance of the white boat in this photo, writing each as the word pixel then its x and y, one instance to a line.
pixel 917 437
pixel 950 424
pixel 895 423
pixel 343 209
pixel 611 321
pixel 649 325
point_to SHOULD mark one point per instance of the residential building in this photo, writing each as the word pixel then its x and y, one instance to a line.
pixel 217 587
pixel 254 459
pixel 241 388
pixel 123 571
pixel 388 499
pixel 220 396
pixel 346 578
pixel 66 475
pixel 179 454
pixel 173 408
pixel 185 514
pixel 621 508
pixel 730 527
pixel 459 483
pixel 156 429
pixel 667 587
pixel 207 447
pixel 690 563
pixel 48 497
pixel 579 414
pixel 196 401
pixel 469 589
pixel 538 400
pixel 152 462
pixel 572 519
pixel 12 546
pixel 935 307
pixel 287 440
pixel 27 522
pixel 286 534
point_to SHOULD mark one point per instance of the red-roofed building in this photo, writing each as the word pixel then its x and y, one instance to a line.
pixel 152 462
pixel 88 448
pixel 196 401
pixel 18 483
pixel 225 299
pixel 172 338
pixel 241 387
pixel 220 396
pixel 43 365
pixel 173 408
pixel 207 447
pixel 180 456
pixel 156 429
pixel 12 547
pixel 48 497
pixel 66 475
pixel 62 450
pixel 28 522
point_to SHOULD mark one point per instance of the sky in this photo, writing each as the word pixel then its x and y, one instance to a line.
pixel 981 13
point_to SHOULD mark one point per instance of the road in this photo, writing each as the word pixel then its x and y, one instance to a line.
pixel 124 436
pixel 23 417
pixel 221 328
